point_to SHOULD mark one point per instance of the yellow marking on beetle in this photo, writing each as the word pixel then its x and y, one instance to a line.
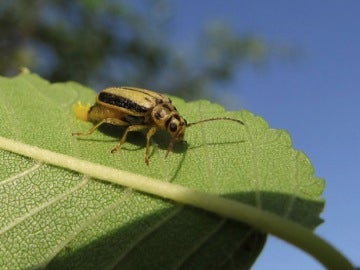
pixel 81 111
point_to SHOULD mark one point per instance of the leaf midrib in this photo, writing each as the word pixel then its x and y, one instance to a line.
pixel 265 221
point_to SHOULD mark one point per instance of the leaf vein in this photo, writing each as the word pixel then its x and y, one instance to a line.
pixel 22 174
pixel 35 210
pixel 91 220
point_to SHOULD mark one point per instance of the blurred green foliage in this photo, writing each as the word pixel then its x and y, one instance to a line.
pixel 106 43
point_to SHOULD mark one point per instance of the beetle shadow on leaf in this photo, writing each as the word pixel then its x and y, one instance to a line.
pixel 161 138
pixel 136 138
pixel 115 133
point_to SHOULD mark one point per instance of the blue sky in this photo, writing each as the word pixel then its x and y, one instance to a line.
pixel 316 98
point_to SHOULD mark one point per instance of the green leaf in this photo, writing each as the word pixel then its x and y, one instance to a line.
pixel 55 213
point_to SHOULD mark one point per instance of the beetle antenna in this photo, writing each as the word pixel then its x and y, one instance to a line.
pixel 216 118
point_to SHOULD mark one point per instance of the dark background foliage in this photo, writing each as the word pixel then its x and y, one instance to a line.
pixel 106 43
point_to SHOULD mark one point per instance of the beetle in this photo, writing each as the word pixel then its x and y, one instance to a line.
pixel 139 109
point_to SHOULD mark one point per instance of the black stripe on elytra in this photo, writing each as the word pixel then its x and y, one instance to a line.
pixel 139 90
pixel 157 100
pixel 121 102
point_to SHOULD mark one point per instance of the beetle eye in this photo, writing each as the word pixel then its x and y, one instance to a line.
pixel 173 127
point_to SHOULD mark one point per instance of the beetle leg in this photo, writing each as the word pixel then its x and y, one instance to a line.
pixel 112 121
pixel 123 138
pixel 150 133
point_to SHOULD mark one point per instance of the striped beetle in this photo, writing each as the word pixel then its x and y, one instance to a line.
pixel 139 109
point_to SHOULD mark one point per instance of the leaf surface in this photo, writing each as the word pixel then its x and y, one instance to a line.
pixel 55 217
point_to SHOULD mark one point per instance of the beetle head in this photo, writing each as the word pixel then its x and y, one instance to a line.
pixel 165 116
pixel 176 126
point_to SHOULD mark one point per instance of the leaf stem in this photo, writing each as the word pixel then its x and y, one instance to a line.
pixel 262 220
